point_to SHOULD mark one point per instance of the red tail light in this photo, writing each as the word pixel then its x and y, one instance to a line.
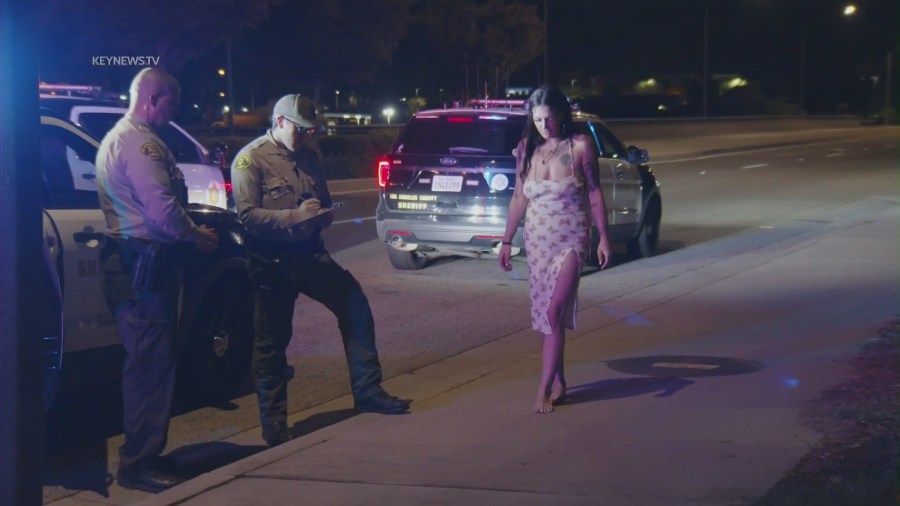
pixel 384 172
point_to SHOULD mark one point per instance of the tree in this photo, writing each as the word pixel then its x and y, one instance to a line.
pixel 337 43
pixel 72 33
pixel 488 34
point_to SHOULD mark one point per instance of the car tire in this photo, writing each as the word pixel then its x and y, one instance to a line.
pixel 643 245
pixel 51 331
pixel 216 360
pixel 406 260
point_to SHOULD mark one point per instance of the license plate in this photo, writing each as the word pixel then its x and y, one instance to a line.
pixel 446 183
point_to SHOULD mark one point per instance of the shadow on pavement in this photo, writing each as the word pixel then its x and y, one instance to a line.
pixel 320 421
pixel 194 460
pixel 625 387
pixel 89 473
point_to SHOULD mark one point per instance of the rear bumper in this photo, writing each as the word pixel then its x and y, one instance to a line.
pixel 463 233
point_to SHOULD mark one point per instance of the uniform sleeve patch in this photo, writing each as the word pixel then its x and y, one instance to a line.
pixel 242 162
pixel 151 150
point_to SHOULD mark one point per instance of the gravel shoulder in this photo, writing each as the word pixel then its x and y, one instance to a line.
pixel 857 460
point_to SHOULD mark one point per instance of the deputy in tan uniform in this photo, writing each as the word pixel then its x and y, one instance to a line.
pixel 142 194
pixel 282 198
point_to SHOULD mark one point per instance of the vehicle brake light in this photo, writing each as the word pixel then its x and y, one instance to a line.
pixel 460 119
pixel 384 172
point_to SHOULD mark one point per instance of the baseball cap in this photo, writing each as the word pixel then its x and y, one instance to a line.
pixel 298 109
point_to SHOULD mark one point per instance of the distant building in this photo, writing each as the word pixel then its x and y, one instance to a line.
pixel 518 91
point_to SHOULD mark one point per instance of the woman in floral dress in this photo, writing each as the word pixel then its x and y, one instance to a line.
pixel 558 195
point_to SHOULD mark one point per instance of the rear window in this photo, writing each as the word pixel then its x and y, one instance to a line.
pixel 479 137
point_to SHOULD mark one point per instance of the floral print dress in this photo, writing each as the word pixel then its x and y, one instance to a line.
pixel 557 224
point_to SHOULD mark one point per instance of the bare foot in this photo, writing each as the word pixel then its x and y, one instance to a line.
pixel 543 404
pixel 558 396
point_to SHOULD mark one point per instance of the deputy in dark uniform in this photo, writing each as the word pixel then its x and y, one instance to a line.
pixel 283 200
pixel 142 194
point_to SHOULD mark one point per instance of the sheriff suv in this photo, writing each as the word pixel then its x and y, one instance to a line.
pixel 96 113
pixel 81 343
pixel 448 179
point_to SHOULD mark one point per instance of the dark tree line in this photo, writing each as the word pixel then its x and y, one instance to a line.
pixel 284 45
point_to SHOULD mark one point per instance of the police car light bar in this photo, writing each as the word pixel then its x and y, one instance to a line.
pixel 70 88
pixel 492 102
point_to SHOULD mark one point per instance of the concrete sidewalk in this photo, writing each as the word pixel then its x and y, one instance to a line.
pixel 687 376
pixel 685 390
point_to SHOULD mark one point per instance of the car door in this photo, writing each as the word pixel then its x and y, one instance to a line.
pixel 73 215
pixel 606 175
pixel 205 182
pixel 52 336
pixel 625 199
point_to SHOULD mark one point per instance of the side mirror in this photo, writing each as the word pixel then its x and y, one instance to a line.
pixel 638 155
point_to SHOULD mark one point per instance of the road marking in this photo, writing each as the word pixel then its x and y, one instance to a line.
pixel 755 166
pixel 832 155
pixel 751 149
pixel 349 192
pixel 354 220
pixel 681 365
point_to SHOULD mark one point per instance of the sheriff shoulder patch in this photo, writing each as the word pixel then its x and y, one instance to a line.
pixel 151 150
pixel 242 162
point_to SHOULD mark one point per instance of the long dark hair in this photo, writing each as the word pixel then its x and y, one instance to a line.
pixel 556 100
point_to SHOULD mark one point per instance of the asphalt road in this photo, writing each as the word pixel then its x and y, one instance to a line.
pixel 458 304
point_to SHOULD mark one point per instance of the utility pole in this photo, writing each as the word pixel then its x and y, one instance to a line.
pixel 706 61
pixel 887 82
pixel 21 365
pixel 230 81
pixel 546 45
pixel 803 67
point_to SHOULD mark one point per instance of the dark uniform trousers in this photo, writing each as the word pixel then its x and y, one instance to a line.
pixel 279 275
pixel 146 327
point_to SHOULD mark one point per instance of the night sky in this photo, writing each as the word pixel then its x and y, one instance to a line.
pixel 758 39
pixel 618 41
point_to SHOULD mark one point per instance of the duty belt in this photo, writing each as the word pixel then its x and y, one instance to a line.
pixel 285 250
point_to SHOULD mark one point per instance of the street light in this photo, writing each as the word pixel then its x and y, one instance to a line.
pixel 849 11
pixel 388 112
pixel 706 60
pixel 337 94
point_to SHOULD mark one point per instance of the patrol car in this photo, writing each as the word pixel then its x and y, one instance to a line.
pixel 81 343
pixel 450 174
pixel 96 113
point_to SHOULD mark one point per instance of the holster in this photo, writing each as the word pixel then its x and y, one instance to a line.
pixel 116 279
pixel 149 262
pixel 273 264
